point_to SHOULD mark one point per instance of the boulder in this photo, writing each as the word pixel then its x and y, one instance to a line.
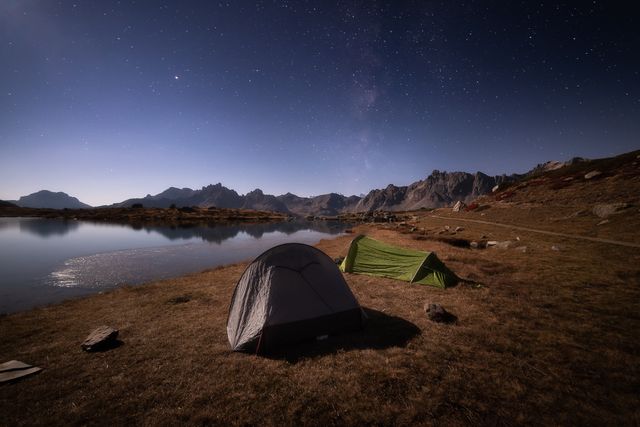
pixel 102 338
pixel 458 206
pixel 437 313
pixel 604 210
pixel 495 188
pixel 592 174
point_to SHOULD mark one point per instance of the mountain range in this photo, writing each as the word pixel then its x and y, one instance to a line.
pixel 437 190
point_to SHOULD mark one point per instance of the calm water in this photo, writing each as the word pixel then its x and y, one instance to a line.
pixel 44 261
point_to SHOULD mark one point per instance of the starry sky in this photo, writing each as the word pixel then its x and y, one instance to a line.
pixel 107 100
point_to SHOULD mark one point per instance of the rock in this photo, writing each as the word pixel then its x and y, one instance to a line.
pixel 592 174
pixel 437 313
pixel 102 338
pixel 458 206
pixel 503 245
pixel 495 188
pixel 555 248
pixel 603 222
pixel 458 229
pixel 522 249
pixel 447 228
pixel 605 210
pixel 492 242
pixel 474 244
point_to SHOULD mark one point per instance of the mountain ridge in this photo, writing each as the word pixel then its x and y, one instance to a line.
pixel 437 190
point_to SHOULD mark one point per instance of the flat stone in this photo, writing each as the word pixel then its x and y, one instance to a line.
pixel 102 338
pixel 492 242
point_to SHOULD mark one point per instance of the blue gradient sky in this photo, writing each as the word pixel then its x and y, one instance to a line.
pixel 107 100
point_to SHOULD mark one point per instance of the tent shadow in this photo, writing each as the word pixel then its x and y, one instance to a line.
pixel 380 331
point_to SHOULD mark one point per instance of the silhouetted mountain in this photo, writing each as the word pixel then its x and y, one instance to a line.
pixel 50 200
pixel 439 189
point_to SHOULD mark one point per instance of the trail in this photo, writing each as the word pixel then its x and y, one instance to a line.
pixel 550 233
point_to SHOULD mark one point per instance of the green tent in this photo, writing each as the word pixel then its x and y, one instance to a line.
pixel 369 256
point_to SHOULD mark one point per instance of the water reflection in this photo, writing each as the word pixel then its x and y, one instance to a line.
pixel 208 233
pixel 220 233
pixel 44 227
pixel 71 258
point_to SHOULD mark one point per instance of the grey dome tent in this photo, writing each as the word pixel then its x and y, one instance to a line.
pixel 290 293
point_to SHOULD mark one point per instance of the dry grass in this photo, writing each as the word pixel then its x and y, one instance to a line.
pixel 548 338
pixel 543 337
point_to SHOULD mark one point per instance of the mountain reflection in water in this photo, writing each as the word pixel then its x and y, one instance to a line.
pixel 48 260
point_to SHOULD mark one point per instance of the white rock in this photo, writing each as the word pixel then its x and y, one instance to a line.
pixel 492 242
pixel 495 188
pixel 592 174
pixel 458 206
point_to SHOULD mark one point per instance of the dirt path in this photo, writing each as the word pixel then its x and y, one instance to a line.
pixel 550 233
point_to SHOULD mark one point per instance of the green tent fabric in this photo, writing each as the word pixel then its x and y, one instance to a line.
pixel 375 258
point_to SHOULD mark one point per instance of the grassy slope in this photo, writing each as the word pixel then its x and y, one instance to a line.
pixel 550 337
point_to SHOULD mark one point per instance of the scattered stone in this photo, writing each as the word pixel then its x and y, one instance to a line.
pixel 474 244
pixel 592 174
pixel 446 227
pixel 102 338
pixel 458 229
pixel 555 248
pixel 492 242
pixel 458 206
pixel 567 179
pixel 522 249
pixel 518 238
pixel 437 313
pixel 413 229
pixel 605 210
pixel 603 222
pixel 495 188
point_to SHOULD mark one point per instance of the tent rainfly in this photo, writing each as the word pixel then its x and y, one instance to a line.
pixel 375 258
pixel 290 293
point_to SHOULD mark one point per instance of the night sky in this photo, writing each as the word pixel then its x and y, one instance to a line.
pixel 107 100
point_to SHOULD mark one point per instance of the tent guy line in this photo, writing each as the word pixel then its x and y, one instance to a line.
pixel 550 233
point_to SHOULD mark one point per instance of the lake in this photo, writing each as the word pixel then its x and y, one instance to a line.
pixel 44 261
